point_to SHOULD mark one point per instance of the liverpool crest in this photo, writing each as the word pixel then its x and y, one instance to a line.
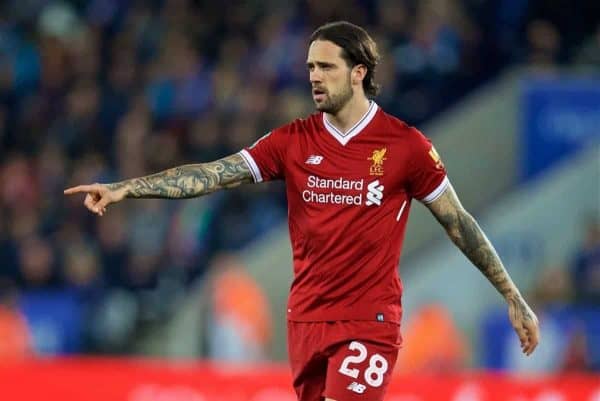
pixel 377 158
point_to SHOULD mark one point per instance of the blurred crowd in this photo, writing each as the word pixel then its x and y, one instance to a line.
pixel 567 302
pixel 102 90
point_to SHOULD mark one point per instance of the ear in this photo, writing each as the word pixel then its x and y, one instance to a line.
pixel 359 72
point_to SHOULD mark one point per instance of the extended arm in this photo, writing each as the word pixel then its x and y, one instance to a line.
pixel 466 234
pixel 187 181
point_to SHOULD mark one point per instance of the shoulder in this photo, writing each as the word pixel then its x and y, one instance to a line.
pixel 300 126
pixel 400 129
pixel 307 124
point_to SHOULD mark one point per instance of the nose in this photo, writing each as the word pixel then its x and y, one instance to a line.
pixel 315 76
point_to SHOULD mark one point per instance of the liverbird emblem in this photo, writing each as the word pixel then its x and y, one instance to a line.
pixel 377 158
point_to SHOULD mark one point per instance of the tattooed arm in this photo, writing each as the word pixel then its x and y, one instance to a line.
pixel 187 181
pixel 466 234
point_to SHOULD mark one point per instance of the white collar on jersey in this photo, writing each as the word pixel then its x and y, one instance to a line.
pixel 356 129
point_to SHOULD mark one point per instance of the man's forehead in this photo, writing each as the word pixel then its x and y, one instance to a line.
pixel 324 50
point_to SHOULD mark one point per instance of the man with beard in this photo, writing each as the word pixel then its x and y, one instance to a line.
pixel 351 171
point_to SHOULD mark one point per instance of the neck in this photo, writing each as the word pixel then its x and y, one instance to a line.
pixel 349 115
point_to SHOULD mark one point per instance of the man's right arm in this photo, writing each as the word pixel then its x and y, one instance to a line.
pixel 187 181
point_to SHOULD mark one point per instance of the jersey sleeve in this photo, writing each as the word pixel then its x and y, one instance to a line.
pixel 266 156
pixel 427 178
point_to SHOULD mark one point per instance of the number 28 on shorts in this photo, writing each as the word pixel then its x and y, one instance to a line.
pixel 373 375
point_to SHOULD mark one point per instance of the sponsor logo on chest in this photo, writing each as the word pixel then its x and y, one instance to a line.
pixel 341 191
pixel 344 191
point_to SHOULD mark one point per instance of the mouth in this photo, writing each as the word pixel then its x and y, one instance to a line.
pixel 319 94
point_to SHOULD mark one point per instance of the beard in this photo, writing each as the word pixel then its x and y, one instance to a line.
pixel 333 103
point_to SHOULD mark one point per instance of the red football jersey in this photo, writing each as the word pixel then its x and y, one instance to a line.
pixel 349 197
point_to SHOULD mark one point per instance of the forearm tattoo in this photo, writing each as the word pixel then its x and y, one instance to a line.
pixel 464 231
pixel 518 308
pixel 189 181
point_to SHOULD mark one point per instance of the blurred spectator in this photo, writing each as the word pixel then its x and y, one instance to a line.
pixel 81 268
pixel 544 46
pixel 430 60
pixel 37 263
pixel 589 54
pixel 586 266
pixel 553 289
pixel 240 324
pixel 566 331
pixel 15 340
pixel 432 343
pixel 111 233
pixel 577 356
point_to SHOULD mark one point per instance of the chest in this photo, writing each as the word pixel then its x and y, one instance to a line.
pixel 367 172
pixel 366 158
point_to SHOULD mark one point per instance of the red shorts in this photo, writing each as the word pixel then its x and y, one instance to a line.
pixel 342 360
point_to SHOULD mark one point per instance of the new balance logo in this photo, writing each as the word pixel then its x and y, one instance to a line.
pixel 314 159
pixel 374 193
pixel 357 387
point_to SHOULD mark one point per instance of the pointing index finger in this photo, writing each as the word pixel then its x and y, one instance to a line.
pixel 78 189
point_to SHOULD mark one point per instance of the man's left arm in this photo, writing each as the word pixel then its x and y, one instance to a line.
pixel 466 234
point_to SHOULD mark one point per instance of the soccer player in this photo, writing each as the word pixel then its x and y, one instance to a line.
pixel 351 171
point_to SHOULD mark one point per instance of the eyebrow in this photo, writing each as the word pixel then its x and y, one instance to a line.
pixel 319 63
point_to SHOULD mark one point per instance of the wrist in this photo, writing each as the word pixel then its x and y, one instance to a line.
pixel 512 293
pixel 122 189
pixel 125 192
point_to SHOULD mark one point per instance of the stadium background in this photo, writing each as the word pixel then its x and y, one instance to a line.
pixel 101 90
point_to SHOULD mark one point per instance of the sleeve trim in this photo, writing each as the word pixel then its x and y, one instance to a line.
pixel 437 192
pixel 254 170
